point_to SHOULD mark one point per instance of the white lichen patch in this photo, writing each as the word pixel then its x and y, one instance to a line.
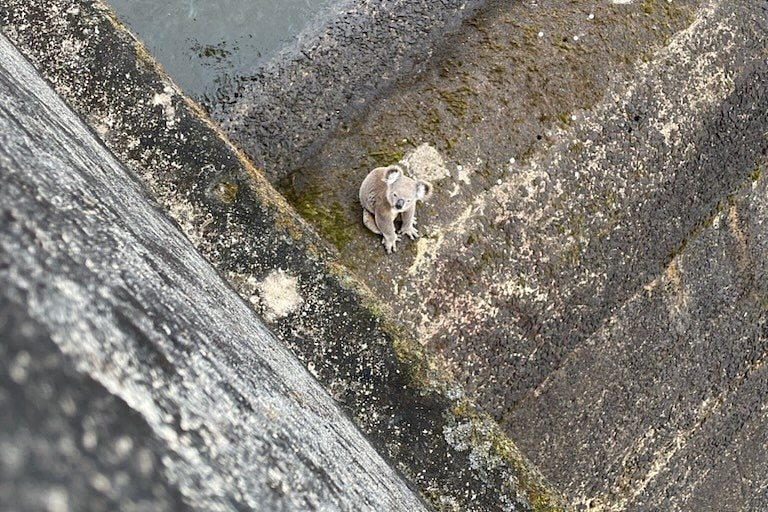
pixel 463 175
pixel 279 295
pixel 103 124
pixel 426 163
pixel 57 499
pixel 165 100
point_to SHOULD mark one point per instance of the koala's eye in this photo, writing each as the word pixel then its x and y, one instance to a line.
pixel 394 194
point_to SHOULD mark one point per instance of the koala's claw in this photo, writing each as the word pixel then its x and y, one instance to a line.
pixel 412 233
pixel 390 245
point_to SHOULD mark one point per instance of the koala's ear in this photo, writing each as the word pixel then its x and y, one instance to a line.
pixel 393 174
pixel 423 190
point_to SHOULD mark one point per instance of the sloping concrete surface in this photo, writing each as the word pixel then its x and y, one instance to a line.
pixel 417 417
pixel 665 407
pixel 593 244
pixel 537 238
pixel 154 385
pixel 283 112
pixel 67 442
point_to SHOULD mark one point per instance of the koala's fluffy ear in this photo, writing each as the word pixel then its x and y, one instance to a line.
pixel 394 173
pixel 423 190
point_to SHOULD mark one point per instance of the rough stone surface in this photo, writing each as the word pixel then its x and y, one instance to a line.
pixel 591 267
pixel 665 405
pixel 133 377
pixel 584 151
pixel 66 442
pixel 282 113
pixel 417 418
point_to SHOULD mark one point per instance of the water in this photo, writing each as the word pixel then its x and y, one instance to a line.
pixel 205 44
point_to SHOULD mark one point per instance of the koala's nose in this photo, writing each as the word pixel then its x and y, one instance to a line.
pixel 399 204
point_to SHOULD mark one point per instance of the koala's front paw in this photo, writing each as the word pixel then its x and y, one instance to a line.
pixel 390 244
pixel 411 232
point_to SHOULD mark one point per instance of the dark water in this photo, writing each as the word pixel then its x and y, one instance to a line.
pixel 203 44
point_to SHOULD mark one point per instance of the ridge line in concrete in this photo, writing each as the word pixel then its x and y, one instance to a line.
pixel 419 420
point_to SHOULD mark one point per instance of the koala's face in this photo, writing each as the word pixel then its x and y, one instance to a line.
pixel 403 192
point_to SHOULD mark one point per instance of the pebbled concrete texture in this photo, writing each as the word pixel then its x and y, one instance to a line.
pixel 585 145
pixel 281 113
pixel 664 406
pixel 590 266
pixel 419 420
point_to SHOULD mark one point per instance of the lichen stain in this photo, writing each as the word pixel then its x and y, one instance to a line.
pixel 279 295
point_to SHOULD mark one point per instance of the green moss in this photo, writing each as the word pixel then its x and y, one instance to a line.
pixel 328 218
pixel 577 148
pixel 755 175
pixel 385 156
pixel 572 256
pixel 457 100
pixel 530 34
pixel 430 125
pixel 412 355
pixel 665 9
pixel 487 438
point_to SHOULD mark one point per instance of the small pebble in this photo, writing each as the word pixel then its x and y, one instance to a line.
pixel 575 38
pixel 541 34
pixel 591 16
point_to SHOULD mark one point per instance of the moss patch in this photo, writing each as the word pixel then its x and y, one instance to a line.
pixel 385 156
pixel 327 217
pixel 225 191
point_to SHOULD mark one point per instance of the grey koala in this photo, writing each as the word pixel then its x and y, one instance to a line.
pixel 386 193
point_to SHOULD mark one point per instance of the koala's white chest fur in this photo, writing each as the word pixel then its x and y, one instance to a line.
pixel 386 193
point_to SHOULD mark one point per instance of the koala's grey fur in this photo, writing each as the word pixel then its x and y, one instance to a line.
pixel 386 193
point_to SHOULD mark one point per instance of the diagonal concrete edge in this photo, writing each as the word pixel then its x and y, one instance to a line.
pixel 669 395
pixel 108 300
pixel 411 411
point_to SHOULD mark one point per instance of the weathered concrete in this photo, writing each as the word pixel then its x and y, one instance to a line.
pixel 575 269
pixel 282 113
pixel 559 207
pixel 66 442
pixel 133 376
pixel 664 407
pixel 417 418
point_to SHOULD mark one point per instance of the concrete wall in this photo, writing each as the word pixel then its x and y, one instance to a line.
pixel 132 377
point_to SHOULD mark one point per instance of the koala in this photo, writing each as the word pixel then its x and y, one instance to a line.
pixel 387 193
